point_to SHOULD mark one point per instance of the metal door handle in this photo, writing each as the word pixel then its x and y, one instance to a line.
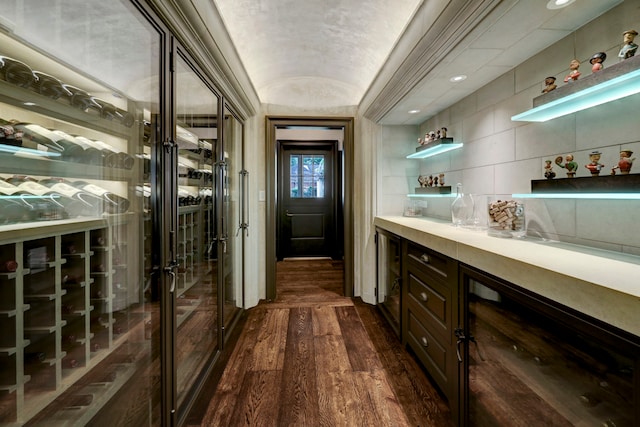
pixel 289 214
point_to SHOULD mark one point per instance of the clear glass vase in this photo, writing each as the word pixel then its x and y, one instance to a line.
pixel 461 208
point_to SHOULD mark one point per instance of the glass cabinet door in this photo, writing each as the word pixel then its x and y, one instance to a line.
pixel 233 225
pixel 79 314
pixel 197 292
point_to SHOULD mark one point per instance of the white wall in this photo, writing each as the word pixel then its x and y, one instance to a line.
pixel 502 157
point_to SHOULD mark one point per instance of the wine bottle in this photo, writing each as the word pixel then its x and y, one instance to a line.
pixel 90 154
pixel 72 207
pixel 68 149
pixel 111 112
pixel 9 135
pixel 37 208
pixel 34 357
pixel 12 210
pixel 112 203
pixel 91 204
pixel 16 72
pixel 115 158
pixel 80 98
pixel 8 266
pixel 49 86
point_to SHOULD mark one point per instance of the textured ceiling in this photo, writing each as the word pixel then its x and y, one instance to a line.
pixel 401 53
pixel 314 54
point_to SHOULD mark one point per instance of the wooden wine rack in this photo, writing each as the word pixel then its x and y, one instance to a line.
pixel 58 310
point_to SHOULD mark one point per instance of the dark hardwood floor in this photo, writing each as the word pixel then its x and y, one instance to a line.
pixel 313 357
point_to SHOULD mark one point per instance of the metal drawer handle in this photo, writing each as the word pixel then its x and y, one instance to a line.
pixel 424 296
pixel 425 342
pixel 424 258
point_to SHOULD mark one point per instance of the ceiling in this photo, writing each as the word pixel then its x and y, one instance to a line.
pixel 390 57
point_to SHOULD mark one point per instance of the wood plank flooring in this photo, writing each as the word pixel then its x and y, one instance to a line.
pixel 313 357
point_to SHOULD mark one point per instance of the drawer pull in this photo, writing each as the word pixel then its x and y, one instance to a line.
pixel 425 342
pixel 424 258
pixel 424 297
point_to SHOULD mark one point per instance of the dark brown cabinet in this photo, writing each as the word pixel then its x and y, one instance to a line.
pixel 503 355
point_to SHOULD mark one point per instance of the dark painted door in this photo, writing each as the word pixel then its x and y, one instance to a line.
pixel 307 195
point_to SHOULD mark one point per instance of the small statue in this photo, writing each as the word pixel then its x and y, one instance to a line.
pixel 569 165
pixel 574 74
pixel 550 83
pixel 597 61
pixel 422 180
pixel 629 48
pixel 441 179
pixel 443 132
pixel 438 134
pixel 420 141
pixel 625 162
pixel 548 170
pixel 435 181
pixel 594 165
pixel 430 181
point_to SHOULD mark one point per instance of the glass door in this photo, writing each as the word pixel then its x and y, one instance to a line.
pixel 197 293
pixel 233 225
pixel 80 97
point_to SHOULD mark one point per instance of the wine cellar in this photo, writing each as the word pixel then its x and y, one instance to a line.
pixel 109 234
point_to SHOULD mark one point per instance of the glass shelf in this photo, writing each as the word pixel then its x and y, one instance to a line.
pixel 434 148
pixel 592 196
pixel 615 82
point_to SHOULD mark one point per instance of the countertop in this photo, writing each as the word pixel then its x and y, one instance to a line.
pixel 602 284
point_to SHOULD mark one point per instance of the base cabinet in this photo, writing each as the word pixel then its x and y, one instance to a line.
pixel 504 356
pixel 530 361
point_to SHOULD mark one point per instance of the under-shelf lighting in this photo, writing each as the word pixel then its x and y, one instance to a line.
pixel 12 149
pixel 610 90
pixel 591 196
pixel 433 149
pixel 424 196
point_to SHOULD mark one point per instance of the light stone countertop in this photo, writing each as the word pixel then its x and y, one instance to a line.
pixel 602 284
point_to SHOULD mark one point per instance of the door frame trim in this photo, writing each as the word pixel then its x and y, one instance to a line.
pixel 271 123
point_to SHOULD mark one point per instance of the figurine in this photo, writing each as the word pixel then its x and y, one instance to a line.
pixel 441 179
pixel 594 165
pixel 597 61
pixel 574 74
pixel 422 180
pixel 629 48
pixel 625 162
pixel 569 165
pixel 435 181
pixel 443 132
pixel 550 83
pixel 430 181
pixel 548 170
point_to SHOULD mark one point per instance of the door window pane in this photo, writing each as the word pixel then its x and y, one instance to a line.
pixel 307 176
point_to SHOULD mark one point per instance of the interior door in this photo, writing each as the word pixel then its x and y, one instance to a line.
pixel 307 211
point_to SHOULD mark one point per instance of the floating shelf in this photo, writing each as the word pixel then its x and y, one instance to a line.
pixel 434 148
pixel 616 187
pixel 614 82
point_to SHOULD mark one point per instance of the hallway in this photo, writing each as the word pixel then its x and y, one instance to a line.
pixel 316 358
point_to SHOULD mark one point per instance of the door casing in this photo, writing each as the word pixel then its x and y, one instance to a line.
pixel 347 163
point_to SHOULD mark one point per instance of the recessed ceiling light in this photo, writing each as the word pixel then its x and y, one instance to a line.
pixel 414 111
pixel 457 79
pixel 558 4
pixel 29 104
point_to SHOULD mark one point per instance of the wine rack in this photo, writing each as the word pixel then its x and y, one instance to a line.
pixel 72 287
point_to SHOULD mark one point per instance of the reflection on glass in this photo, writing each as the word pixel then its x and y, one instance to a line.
pixel 547 373
pixel 232 255
pixel 83 323
pixel 197 290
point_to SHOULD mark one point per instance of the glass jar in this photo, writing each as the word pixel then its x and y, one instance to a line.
pixel 461 208
pixel 506 218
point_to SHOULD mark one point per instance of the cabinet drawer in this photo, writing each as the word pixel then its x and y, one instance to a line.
pixel 433 264
pixel 433 355
pixel 434 299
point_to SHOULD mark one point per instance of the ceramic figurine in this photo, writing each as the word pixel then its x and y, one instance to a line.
pixel 435 181
pixel 629 49
pixel 597 61
pixel 430 181
pixel 625 162
pixel 441 179
pixel 550 83
pixel 548 170
pixel 569 165
pixel 594 164
pixel 422 180
pixel 574 74
pixel 443 132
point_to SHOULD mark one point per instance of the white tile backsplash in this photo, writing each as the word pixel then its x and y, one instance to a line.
pixel 502 157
